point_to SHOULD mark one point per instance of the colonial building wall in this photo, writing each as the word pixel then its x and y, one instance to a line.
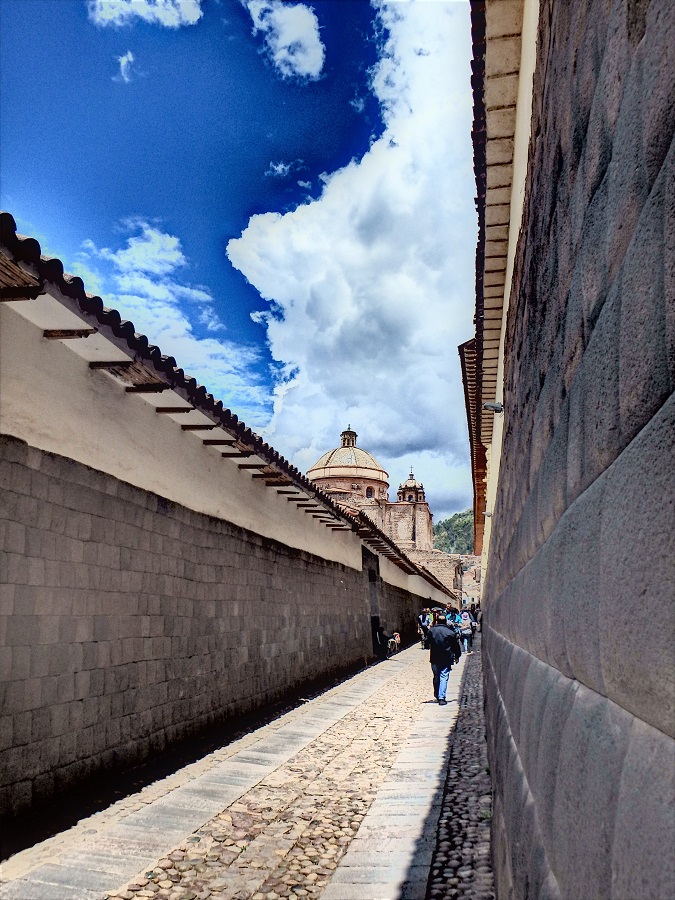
pixel 424 529
pixel 409 524
pixel 398 523
pixel 353 484
pixel 579 620
pixel 130 622
pixel 447 568
pixel 374 511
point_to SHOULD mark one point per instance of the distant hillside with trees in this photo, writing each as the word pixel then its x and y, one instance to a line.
pixel 455 535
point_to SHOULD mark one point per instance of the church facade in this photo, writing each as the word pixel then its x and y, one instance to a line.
pixel 355 480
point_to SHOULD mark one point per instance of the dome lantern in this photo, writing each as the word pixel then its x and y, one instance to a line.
pixel 348 437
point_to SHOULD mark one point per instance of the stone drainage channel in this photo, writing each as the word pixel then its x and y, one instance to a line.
pixel 369 792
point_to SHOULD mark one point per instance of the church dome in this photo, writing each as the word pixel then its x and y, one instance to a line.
pixel 348 460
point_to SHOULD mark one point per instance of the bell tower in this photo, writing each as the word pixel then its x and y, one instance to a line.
pixel 411 491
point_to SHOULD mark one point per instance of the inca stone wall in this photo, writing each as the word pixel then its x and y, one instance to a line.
pixel 580 632
pixel 129 622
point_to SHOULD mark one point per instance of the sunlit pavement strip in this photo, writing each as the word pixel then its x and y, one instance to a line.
pixel 390 857
pixel 357 770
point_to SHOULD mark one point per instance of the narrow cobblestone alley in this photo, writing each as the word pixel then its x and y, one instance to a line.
pixel 369 792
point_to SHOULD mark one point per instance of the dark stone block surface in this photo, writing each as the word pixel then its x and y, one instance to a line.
pixel 580 626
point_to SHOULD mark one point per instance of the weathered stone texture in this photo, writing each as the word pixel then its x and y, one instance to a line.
pixel 445 566
pixel 580 627
pixel 128 622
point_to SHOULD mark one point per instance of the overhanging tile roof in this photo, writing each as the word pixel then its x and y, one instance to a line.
pixel 15 284
pixel 25 270
pixel 496 34
pixel 496 37
pixel 467 355
pixel 471 352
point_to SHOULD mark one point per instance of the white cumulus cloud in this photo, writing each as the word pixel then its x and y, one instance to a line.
pixel 151 250
pixel 291 34
pixel 169 13
pixel 125 62
pixel 370 287
pixel 141 280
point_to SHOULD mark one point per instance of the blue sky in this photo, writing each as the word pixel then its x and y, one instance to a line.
pixel 277 193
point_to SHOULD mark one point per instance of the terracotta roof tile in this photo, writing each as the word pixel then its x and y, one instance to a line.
pixel 15 284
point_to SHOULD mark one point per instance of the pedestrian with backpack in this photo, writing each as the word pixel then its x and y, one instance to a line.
pixel 465 630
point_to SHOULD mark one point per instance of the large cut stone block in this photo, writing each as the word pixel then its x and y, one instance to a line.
pixel 644 377
pixel 578 584
pixel 543 776
pixel 513 687
pixel 592 749
pixel 643 864
pixel 540 680
pixel 657 60
pixel 637 617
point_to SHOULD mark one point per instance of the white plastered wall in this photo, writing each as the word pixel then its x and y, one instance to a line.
pixel 413 583
pixel 50 398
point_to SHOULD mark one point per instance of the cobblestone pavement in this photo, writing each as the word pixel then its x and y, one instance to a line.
pixel 339 798
pixel 461 866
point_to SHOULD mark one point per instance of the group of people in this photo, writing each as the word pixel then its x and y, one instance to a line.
pixel 446 633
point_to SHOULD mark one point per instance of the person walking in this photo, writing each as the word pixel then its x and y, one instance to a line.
pixel 465 630
pixel 381 641
pixel 424 621
pixel 444 649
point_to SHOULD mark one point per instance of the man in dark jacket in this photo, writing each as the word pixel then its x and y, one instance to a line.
pixel 444 650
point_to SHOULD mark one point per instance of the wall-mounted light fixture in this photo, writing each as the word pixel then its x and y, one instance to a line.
pixel 487 514
pixel 494 407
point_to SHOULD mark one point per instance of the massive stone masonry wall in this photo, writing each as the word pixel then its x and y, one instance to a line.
pixel 129 622
pixel 579 619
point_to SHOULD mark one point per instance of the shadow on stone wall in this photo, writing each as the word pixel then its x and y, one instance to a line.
pixel 99 792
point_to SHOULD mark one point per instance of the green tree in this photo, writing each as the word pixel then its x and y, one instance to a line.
pixel 455 535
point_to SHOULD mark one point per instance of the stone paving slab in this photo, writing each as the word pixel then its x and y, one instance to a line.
pixel 392 890
pixel 340 798
pixel 40 891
